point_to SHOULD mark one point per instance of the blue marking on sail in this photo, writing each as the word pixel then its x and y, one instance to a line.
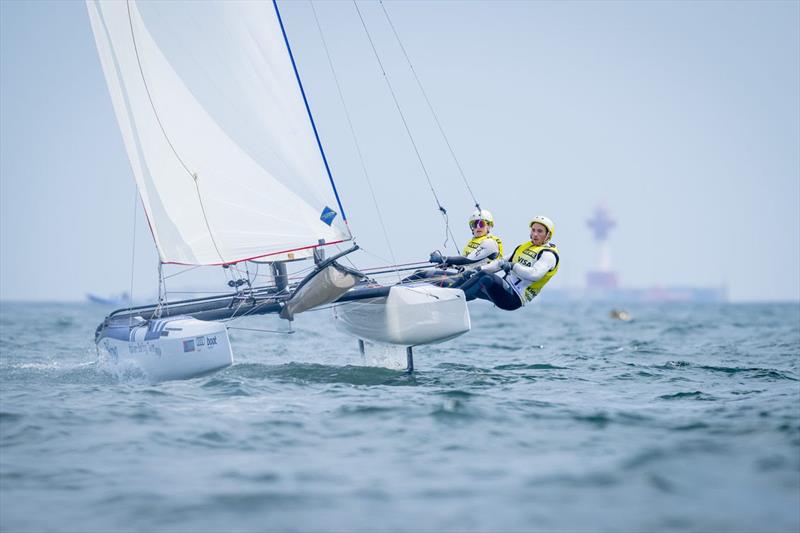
pixel 328 215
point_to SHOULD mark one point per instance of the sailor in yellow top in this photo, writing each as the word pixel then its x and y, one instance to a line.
pixel 512 284
pixel 481 249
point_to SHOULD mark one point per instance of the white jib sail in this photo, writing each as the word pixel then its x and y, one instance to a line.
pixel 216 130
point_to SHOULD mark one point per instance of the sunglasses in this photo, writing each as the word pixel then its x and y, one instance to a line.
pixel 478 224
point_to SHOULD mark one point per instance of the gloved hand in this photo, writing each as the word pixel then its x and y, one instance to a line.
pixel 466 276
pixel 469 273
pixel 436 257
pixel 505 266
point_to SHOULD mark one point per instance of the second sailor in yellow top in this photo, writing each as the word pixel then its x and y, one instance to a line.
pixel 481 249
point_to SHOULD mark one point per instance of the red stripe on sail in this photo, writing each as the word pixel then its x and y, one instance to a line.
pixel 256 256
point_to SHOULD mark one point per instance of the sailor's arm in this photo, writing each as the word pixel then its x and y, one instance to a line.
pixel 535 272
pixel 477 255
pixel 492 267
pixel 484 250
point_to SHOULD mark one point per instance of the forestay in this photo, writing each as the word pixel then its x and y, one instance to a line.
pixel 214 122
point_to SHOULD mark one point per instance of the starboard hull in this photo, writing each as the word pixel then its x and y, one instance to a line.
pixel 407 316
pixel 167 349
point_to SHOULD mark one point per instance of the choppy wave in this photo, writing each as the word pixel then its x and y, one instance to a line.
pixel 554 418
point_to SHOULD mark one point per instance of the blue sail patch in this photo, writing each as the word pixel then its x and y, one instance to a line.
pixel 328 215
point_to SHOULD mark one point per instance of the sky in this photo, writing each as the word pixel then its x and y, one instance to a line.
pixel 682 118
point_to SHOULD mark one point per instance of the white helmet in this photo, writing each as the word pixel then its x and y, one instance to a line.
pixel 546 222
pixel 482 214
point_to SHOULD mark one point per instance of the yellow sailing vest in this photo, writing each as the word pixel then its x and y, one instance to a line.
pixel 475 242
pixel 527 254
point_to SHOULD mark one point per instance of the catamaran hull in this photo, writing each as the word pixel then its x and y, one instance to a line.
pixel 166 349
pixel 407 316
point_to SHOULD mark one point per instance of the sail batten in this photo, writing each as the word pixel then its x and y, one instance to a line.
pixel 216 130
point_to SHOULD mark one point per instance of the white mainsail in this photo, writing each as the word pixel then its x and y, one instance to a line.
pixel 222 148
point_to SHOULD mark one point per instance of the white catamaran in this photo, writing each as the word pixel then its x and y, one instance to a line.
pixel 230 169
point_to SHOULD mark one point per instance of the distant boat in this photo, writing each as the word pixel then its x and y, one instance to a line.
pixel 122 298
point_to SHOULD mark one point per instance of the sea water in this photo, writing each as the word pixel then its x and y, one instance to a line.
pixel 555 417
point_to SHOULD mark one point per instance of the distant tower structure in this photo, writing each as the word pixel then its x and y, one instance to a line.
pixel 602 277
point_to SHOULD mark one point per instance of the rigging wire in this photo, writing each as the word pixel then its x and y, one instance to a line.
pixel 162 290
pixel 355 139
pixel 185 270
pixel 442 210
pixel 430 106
pixel 387 268
pixel 133 253
pixel 249 312
pixel 219 293
pixel 262 330
pixel 393 265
